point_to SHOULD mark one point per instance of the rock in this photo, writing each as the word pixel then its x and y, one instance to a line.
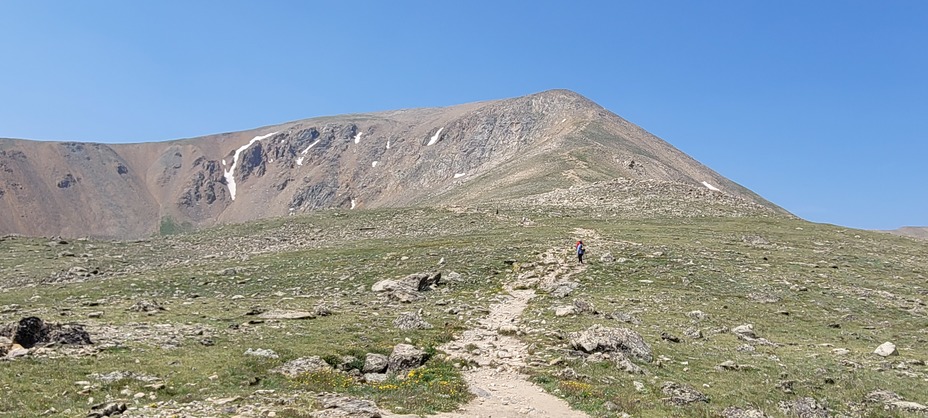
pixel 600 338
pixel 728 365
pixel 607 258
pixel 746 333
pixel 671 338
pixel 421 281
pixel 678 394
pixel 375 363
pixel 562 311
pixel 322 310
pixel 584 306
pixel 693 333
pixel 282 314
pixel 346 407
pixel 697 315
pixel 294 368
pixel 30 331
pixel 804 408
pixel 623 363
pixel 106 410
pixel 840 351
pixel 893 401
pixel 405 357
pixel 624 317
pixel 735 412
pixel 508 329
pixel 375 377
pixel 886 349
pixel 261 352
pixel 17 350
pixel 410 320
pixel 147 306
pixel 384 286
pixel 746 330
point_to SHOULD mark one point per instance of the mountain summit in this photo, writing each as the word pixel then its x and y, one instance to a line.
pixel 477 153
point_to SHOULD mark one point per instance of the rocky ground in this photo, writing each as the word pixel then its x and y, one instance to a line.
pixel 469 312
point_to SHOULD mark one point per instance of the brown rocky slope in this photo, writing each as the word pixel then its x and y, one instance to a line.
pixel 468 154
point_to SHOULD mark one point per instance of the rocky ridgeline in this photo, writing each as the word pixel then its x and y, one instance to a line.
pixel 632 198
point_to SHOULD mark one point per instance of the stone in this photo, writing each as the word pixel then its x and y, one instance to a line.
pixel 106 410
pixel 410 320
pixel 30 331
pixel 146 306
pixel 294 368
pixel 282 314
pixel 405 357
pixel 600 338
pixel 681 394
pixel 261 352
pixel 746 330
pixel 375 363
pixel 562 311
pixel 736 412
pixel 607 258
pixel 697 315
pixel 17 350
pixel 346 407
pixel 375 377
pixel 886 349
pixel 804 408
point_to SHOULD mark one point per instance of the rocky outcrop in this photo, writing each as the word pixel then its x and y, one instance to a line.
pixel 598 338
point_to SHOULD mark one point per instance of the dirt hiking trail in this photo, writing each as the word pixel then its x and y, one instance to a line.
pixel 501 390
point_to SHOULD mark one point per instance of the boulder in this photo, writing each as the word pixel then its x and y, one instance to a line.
pixel 804 408
pixel 375 363
pixel 745 331
pixel 565 311
pixel 282 314
pixel 346 407
pixel 33 331
pixel 294 368
pixel 420 281
pixel 681 394
pixel 404 358
pixel 598 338
pixel 410 320
pixel 886 349
pixel 30 331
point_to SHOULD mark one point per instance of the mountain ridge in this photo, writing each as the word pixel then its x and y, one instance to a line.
pixel 473 153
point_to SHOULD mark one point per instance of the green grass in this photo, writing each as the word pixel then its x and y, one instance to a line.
pixel 832 287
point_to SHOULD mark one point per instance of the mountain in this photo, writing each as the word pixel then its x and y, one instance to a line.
pixel 920 232
pixel 490 152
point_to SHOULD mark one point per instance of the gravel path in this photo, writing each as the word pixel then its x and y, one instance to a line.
pixel 501 390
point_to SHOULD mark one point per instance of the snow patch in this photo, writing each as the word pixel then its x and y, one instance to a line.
pixel 710 187
pixel 357 137
pixel 563 120
pixel 299 161
pixel 374 164
pixel 223 161
pixel 230 173
pixel 388 144
pixel 435 137
pixel 353 204
pixel 459 175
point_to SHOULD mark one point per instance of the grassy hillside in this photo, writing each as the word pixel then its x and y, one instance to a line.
pixel 820 299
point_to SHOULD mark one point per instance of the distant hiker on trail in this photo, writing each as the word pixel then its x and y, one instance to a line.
pixel 580 250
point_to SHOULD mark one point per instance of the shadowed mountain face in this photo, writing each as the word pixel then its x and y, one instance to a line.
pixel 479 153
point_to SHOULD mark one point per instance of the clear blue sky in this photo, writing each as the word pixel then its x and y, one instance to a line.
pixel 819 106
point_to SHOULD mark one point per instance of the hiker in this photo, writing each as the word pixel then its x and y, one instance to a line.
pixel 580 250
